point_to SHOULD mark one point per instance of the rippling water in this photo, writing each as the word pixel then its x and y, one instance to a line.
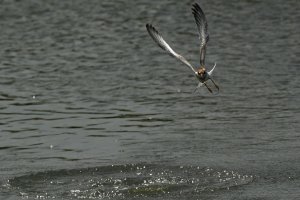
pixel 91 108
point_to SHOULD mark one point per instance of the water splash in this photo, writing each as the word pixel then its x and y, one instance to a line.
pixel 127 181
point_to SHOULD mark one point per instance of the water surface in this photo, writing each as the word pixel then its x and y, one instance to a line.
pixel 91 108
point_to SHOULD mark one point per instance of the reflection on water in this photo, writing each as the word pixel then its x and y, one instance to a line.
pixel 83 85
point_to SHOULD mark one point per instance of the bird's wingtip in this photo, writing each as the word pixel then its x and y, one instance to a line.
pixel 211 71
pixel 195 6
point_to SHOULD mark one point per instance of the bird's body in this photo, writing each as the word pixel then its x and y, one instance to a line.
pixel 201 73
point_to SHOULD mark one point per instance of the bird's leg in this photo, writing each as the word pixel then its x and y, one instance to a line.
pixel 198 86
pixel 208 87
pixel 215 84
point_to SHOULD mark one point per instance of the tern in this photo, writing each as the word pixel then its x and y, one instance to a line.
pixel 201 74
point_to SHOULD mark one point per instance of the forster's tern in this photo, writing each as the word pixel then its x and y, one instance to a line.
pixel 202 75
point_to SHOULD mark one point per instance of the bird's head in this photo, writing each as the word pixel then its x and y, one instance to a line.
pixel 201 71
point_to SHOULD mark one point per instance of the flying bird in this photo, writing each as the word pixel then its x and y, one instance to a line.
pixel 201 74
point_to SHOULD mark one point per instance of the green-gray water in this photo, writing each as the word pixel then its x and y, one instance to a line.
pixel 92 108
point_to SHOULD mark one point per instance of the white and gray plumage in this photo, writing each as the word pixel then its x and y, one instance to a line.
pixel 201 23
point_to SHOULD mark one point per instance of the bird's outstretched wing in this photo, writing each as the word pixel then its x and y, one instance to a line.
pixel 164 45
pixel 202 29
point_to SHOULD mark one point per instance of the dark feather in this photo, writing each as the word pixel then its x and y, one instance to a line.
pixel 202 30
